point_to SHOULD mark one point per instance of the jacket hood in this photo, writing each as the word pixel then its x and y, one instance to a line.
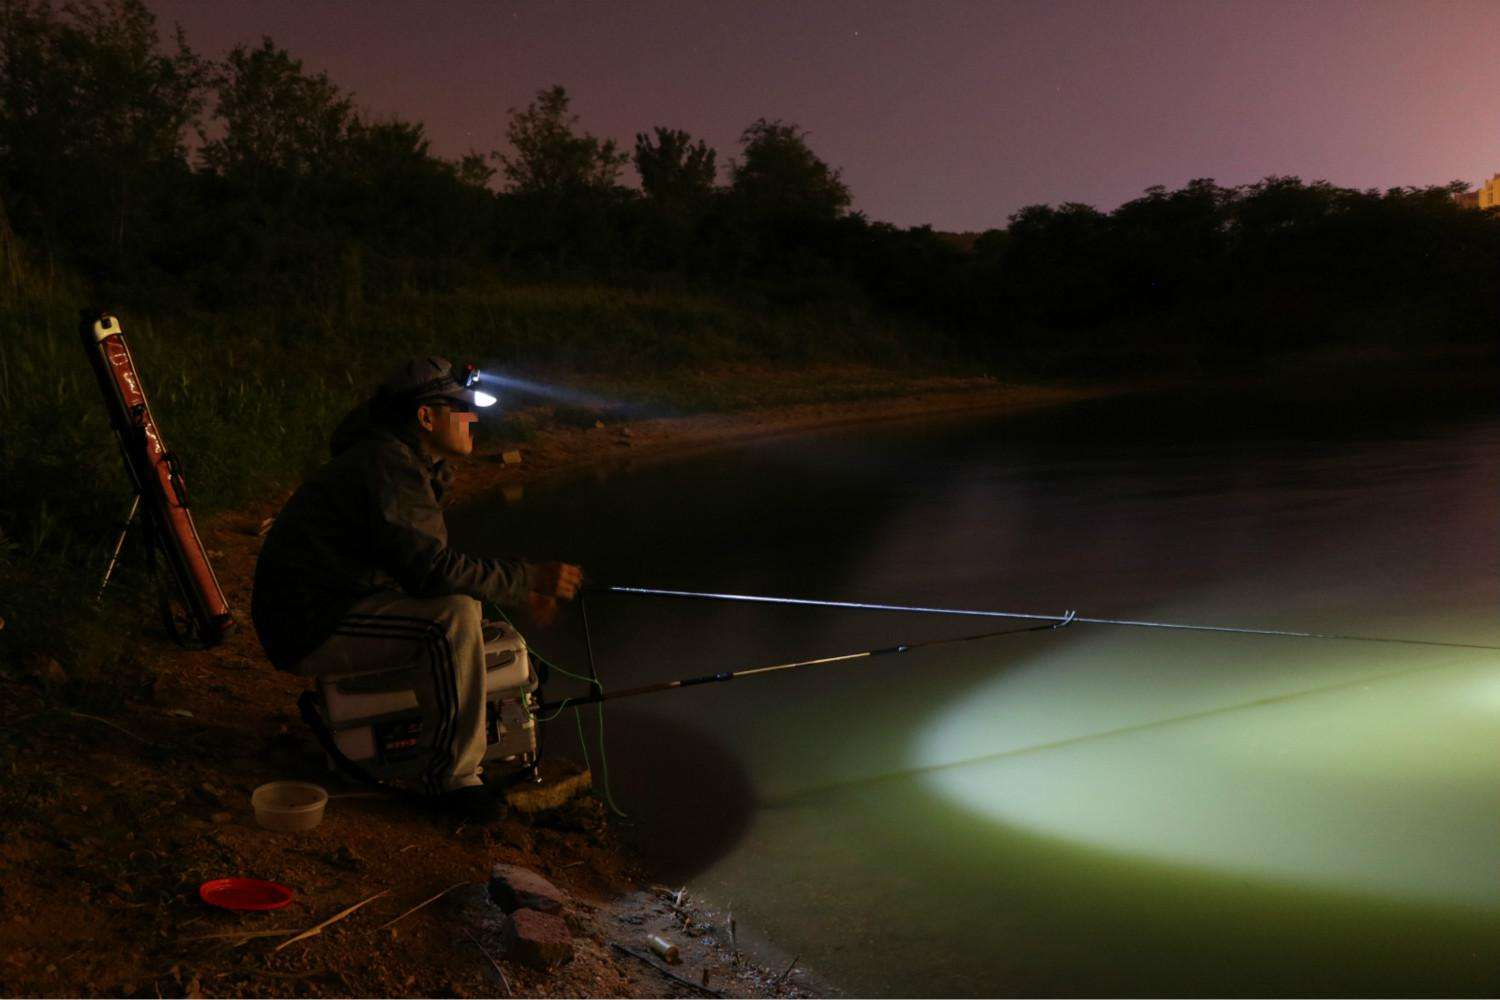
pixel 361 423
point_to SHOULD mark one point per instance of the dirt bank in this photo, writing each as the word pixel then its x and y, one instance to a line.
pixel 117 813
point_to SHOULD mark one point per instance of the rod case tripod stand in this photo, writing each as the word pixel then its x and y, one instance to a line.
pixel 193 606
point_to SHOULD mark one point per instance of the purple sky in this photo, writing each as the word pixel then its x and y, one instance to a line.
pixel 949 113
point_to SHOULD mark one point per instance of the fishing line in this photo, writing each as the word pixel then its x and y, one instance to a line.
pixel 1064 619
pixel 588 645
pixel 562 707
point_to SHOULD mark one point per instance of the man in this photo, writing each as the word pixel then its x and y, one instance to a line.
pixel 356 573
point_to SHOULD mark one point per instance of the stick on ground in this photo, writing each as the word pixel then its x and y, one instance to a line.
pixel 425 902
pixel 318 929
pixel 485 952
pixel 238 935
pixel 118 729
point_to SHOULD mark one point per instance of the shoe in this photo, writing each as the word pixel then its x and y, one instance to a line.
pixel 473 804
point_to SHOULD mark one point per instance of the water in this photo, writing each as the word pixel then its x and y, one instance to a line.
pixel 1094 810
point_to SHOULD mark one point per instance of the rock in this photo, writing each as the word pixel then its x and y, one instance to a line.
pixel 514 888
pixel 540 940
pixel 510 457
pixel 222 817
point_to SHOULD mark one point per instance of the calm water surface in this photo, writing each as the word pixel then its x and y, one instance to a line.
pixel 1095 810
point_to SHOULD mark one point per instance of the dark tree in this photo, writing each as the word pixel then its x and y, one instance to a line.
pixel 273 118
pixel 92 119
pixel 780 174
pixel 674 170
pixel 549 158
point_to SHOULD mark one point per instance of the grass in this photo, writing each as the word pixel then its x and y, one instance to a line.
pixel 248 399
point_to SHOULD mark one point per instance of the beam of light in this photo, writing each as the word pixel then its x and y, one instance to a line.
pixel 556 393
pixel 1132 728
pixel 1381 785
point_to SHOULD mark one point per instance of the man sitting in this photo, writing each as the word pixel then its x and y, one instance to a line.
pixel 356 573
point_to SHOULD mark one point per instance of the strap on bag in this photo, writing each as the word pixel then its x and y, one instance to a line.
pixel 307 705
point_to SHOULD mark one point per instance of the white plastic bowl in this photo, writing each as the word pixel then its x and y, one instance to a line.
pixel 289 805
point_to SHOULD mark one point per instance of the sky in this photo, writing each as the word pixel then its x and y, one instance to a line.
pixel 947 113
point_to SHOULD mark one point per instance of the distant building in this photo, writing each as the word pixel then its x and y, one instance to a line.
pixel 1489 193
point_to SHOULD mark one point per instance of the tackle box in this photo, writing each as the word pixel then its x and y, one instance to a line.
pixel 376 723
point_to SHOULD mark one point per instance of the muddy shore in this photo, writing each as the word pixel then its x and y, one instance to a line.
pixel 118 813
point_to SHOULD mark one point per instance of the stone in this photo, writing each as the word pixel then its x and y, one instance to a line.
pixel 540 940
pixel 510 457
pixel 515 888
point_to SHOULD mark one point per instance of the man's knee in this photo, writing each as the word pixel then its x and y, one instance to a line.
pixel 460 613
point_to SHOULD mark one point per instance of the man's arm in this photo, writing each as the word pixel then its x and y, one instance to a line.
pixel 411 542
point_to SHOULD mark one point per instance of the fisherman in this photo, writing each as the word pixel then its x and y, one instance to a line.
pixel 356 573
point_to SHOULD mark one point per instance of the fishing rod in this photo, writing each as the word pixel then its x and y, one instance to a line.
pixel 1066 618
pixel 1049 622
pixel 599 695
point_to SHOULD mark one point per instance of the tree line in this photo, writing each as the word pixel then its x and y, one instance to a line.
pixel 170 180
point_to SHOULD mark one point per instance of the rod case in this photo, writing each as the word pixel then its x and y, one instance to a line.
pixel 156 475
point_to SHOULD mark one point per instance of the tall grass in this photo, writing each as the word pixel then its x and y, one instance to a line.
pixel 248 399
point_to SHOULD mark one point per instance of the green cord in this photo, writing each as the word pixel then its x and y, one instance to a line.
pixel 577 715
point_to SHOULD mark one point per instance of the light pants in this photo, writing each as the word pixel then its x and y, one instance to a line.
pixel 440 642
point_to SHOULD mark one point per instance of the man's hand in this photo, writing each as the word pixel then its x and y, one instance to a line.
pixel 556 579
pixel 543 609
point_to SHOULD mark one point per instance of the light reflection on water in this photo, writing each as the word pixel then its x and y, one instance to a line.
pixel 1344 841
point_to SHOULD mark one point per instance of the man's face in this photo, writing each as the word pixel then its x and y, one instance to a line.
pixel 446 431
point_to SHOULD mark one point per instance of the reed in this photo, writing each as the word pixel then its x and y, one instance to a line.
pixel 248 398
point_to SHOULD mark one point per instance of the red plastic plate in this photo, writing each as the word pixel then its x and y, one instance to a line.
pixel 244 894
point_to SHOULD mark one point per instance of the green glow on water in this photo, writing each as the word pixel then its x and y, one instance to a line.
pixel 1376 776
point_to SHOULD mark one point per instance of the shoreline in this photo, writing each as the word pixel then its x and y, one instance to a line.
pixel 143 805
pixel 559 453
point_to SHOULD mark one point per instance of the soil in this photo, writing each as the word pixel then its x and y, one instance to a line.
pixel 112 822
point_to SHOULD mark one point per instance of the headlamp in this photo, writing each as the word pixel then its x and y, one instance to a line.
pixel 468 377
pixel 440 390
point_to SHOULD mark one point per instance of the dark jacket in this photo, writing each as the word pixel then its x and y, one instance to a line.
pixel 370 520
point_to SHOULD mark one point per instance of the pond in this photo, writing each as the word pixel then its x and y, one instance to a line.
pixel 1088 810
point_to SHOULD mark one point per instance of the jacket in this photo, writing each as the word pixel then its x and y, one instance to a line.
pixel 369 520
